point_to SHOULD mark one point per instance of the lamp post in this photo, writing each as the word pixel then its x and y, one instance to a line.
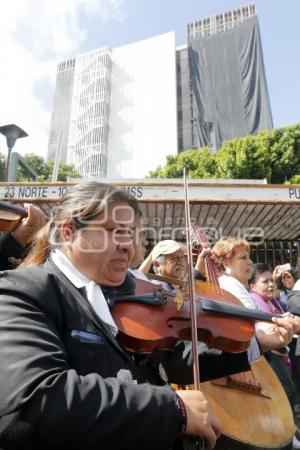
pixel 12 133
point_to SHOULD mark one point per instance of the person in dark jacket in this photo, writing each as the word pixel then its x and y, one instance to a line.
pixel 14 245
pixel 66 380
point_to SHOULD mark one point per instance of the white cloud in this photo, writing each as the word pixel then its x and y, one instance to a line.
pixel 34 36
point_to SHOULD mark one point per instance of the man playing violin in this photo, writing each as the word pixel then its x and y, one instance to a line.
pixel 66 380
pixel 168 258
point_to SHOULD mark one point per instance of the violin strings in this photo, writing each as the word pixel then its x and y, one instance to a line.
pixel 211 268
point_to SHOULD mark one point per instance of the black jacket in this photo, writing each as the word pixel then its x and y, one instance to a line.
pixel 58 392
pixel 293 302
pixel 9 248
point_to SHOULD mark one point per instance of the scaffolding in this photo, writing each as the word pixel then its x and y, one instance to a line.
pixel 221 22
pixel 90 114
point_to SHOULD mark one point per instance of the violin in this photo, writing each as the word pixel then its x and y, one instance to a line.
pixel 151 318
pixel 10 216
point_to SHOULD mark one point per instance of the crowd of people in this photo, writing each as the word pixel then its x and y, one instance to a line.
pixel 66 377
pixel 256 286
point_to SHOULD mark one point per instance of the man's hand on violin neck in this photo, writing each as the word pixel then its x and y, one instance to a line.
pixel 277 335
pixel 200 419
pixel 201 259
pixel 290 325
pixel 295 320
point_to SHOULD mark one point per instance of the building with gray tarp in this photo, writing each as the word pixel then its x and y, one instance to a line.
pixel 223 86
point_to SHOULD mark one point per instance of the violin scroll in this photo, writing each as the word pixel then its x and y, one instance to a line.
pixel 10 216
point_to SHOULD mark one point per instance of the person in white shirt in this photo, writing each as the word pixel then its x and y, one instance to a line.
pixel 168 260
pixel 234 254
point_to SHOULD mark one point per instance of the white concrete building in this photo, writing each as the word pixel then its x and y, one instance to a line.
pixel 143 108
pixel 120 116
pixel 119 112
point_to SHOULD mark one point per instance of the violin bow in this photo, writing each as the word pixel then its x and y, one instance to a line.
pixel 200 443
pixel 191 289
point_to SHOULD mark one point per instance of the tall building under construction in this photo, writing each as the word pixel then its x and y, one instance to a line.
pixel 119 112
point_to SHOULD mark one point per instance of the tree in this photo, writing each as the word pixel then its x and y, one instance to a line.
pixel 199 163
pixel 236 159
pixel 285 156
pixel 44 169
pixel 2 165
pixel 37 163
pixel 272 155
pixel 64 171
pixel 294 180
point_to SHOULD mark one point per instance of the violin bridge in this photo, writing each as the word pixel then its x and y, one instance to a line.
pixel 179 298
pixel 250 386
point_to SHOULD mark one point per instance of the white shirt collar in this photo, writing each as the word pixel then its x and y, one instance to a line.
pixel 69 270
pixel 93 290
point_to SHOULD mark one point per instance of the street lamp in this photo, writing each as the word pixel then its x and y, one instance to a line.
pixel 12 133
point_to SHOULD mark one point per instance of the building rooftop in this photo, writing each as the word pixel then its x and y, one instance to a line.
pixel 221 22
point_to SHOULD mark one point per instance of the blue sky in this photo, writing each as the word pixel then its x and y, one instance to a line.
pixel 35 34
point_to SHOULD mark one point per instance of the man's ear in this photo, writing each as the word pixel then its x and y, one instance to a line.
pixel 68 231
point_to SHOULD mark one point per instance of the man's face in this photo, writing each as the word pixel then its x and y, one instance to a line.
pixel 174 265
pixel 103 250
